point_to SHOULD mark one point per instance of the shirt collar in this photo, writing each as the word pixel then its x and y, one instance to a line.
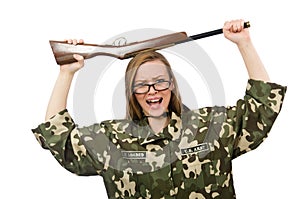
pixel 171 132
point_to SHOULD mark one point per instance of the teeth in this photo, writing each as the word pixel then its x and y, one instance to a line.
pixel 153 101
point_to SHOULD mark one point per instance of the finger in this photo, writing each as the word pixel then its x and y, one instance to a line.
pixel 227 26
pixel 236 26
pixel 240 25
pixel 69 41
pixel 81 41
pixel 78 57
pixel 74 41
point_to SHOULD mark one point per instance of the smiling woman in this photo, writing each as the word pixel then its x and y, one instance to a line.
pixel 154 68
pixel 162 149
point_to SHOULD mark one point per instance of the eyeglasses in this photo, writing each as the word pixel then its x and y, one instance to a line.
pixel 160 85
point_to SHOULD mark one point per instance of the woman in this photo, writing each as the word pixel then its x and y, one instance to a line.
pixel 162 150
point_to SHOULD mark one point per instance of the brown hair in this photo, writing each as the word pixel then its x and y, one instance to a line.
pixel 133 110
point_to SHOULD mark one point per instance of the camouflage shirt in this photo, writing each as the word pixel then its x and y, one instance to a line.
pixel 190 158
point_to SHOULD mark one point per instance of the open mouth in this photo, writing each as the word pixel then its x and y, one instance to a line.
pixel 154 101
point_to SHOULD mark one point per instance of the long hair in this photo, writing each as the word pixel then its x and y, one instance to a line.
pixel 133 110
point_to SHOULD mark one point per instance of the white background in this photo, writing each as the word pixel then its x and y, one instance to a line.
pixel 28 72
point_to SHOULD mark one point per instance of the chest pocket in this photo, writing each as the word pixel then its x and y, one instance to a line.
pixel 199 173
pixel 140 179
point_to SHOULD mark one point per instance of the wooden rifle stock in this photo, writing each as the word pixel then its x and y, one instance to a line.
pixel 63 51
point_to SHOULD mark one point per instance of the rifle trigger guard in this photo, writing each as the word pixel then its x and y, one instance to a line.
pixel 121 41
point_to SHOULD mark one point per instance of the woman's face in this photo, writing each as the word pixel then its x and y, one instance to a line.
pixel 153 102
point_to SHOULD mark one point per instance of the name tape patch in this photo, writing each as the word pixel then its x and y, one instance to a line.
pixel 196 149
pixel 134 154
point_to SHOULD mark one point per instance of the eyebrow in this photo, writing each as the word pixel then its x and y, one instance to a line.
pixel 154 78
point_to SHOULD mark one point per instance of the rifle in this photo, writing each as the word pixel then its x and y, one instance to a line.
pixel 63 51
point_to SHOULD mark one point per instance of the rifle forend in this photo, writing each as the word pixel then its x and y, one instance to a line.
pixel 63 52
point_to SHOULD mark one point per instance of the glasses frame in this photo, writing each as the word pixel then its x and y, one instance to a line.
pixel 152 85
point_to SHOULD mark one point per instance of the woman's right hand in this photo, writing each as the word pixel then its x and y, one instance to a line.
pixel 75 66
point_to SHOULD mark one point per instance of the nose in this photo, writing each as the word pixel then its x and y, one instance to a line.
pixel 152 90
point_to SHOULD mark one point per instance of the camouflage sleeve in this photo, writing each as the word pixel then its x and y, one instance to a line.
pixel 255 115
pixel 61 136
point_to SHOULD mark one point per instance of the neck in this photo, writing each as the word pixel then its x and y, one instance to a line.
pixel 157 123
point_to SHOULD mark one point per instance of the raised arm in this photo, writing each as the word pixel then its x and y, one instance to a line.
pixel 234 31
pixel 58 99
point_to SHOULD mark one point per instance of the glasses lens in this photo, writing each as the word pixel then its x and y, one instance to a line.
pixel 141 89
pixel 158 86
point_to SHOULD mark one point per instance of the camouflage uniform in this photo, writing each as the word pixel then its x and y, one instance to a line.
pixel 190 158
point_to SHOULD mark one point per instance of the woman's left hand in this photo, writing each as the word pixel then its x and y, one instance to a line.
pixel 234 31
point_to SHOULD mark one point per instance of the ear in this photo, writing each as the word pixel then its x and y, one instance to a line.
pixel 172 85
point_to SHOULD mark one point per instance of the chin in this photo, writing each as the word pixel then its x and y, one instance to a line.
pixel 156 112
